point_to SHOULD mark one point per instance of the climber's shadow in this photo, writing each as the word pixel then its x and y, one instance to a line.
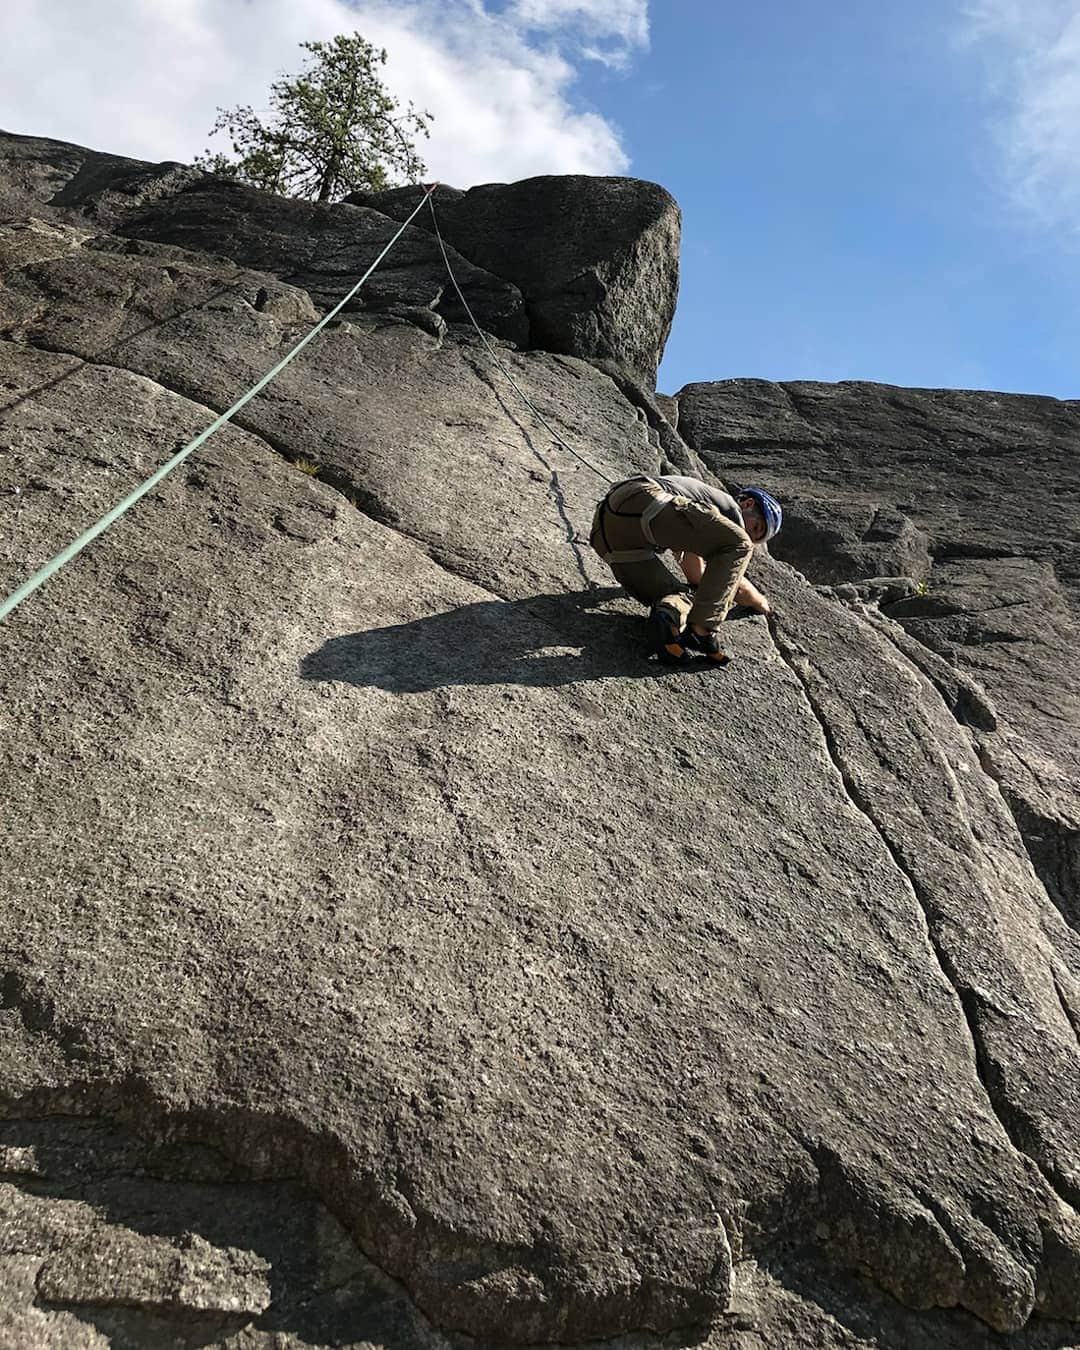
pixel 546 640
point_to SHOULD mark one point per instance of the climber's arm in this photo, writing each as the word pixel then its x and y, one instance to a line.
pixel 693 568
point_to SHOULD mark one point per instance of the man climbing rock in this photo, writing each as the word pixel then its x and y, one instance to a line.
pixel 712 536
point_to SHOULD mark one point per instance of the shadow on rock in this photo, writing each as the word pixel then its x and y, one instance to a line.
pixel 547 640
pixel 157 1245
pixel 160 1245
pixel 815 1303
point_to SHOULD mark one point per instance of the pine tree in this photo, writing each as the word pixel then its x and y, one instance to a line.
pixel 332 130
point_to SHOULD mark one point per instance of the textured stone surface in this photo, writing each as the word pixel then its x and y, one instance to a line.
pixel 190 1276
pixel 976 496
pixel 358 843
pixel 108 1241
pixel 325 250
pixel 97 1189
pixel 597 259
pixel 41 177
pixel 982 474
pixel 587 267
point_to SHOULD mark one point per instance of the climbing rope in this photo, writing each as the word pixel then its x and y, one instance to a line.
pixel 502 366
pixel 65 556
pixel 100 526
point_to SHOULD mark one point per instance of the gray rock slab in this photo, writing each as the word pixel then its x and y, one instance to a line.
pixel 1011 625
pixel 597 257
pixel 792 1302
pixel 323 248
pixel 115 1241
pixel 356 840
pixel 970 858
pixel 190 1276
pixel 422 405
pixel 982 473
pixel 837 541
pixel 64 182
pixel 974 495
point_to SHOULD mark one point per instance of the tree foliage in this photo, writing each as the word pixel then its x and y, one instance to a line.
pixel 332 130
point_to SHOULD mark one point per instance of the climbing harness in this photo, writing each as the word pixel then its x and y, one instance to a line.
pixel 54 564
pixel 660 499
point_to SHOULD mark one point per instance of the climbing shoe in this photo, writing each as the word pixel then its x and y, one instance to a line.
pixel 667 636
pixel 707 644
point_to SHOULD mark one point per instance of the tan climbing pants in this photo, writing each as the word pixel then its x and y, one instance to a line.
pixel 637 520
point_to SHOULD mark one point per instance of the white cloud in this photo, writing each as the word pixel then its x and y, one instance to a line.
pixel 1031 51
pixel 623 25
pixel 144 77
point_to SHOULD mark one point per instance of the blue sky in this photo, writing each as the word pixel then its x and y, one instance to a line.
pixel 847 207
pixel 885 191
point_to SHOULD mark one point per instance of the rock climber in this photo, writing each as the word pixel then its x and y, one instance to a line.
pixel 712 537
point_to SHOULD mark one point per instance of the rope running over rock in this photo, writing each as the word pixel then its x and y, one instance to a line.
pixel 501 364
pixel 99 527
pixel 65 556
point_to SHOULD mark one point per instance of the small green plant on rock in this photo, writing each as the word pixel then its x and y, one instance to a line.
pixel 307 466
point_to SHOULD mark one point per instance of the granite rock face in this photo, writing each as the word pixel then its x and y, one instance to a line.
pixel 974 496
pixel 597 259
pixel 325 249
pixel 587 267
pixel 62 182
pixel 521 989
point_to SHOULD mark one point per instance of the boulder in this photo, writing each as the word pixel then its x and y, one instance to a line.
pixel 584 266
pixel 322 248
pixel 521 988
pixel 597 259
